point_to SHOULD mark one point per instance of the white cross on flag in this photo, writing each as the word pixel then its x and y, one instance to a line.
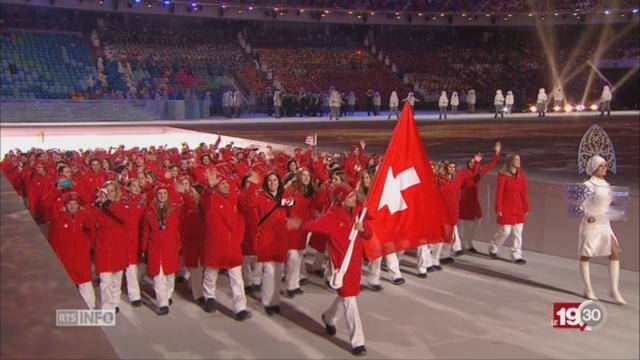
pixel 311 140
pixel 407 208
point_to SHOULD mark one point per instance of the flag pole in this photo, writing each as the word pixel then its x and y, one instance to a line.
pixel 338 276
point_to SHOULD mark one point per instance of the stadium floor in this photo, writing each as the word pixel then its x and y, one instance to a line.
pixel 475 308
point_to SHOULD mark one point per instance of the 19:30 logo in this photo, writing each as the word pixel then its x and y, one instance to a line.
pixel 587 315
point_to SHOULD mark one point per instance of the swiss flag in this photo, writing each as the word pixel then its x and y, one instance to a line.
pixel 405 203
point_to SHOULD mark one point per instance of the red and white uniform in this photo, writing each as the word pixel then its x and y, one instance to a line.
pixel 161 243
pixel 336 225
pixel 110 230
pixel 223 245
pixel 69 239
pixel 512 203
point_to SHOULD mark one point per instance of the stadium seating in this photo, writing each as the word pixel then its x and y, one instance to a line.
pixel 36 65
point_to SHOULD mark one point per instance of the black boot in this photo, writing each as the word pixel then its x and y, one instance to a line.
pixel 163 310
pixel 243 315
pixel 209 305
pixel 329 329
pixel 360 351
pixel 270 310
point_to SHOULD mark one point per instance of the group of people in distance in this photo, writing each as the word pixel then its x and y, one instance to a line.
pixel 248 213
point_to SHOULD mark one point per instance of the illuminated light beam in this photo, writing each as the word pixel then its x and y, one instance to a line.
pixel 548 49
pixel 610 43
pixel 600 50
pixel 575 51
pixel 624 78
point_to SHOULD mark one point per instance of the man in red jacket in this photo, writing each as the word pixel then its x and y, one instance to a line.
pixel 336 225
pixel 68 236
pixel 223 243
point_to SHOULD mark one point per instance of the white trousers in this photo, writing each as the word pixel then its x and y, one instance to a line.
pixel 295 269
pixel 88 294
pixel 468 230
pixel 319 261
pixel 251 271
pixel 271 283
pixel 237 286
pixel 436 249
pixel 133 284
pixel 348 306
pixel 448 249
pixel 163 286
pixel 195 281
pixel 424 258
pixel 110 290
pixel 373 269
pixel 393 265
pixel 501 236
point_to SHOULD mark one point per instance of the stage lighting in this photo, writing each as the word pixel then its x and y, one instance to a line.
pixel 568 108
pixel 533 109
pixel 556 108
pixel 635 11
pixel 593 107
pixel 149 4
pixel 607 12
pixel 100 2
pixel 250 8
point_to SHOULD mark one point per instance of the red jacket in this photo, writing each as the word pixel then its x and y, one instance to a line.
pixel 323 203
pixel 37 187
pixel 305 209
pixel 250 215
pixel 90 183
pixel 137 207
pixel 336 226
pixel 451 191
pixel 353 165
pixel 11 170
pixel 224 231
pixel 68 237
pixel 192 232
pixel 470 208
pixel 272 244
pixel 512 199
pixel 162 246
pixel 110 231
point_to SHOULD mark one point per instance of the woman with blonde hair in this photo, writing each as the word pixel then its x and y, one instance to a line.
pixel 110 216
pixel 512 207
